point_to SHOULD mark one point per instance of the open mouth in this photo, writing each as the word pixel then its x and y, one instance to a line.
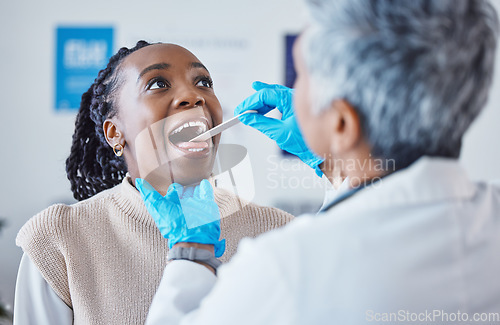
pixel 181 135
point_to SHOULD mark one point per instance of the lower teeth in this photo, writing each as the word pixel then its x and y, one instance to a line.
pixel 195 149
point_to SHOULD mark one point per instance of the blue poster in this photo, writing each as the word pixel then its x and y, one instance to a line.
pixel 290 73
pixel 81 52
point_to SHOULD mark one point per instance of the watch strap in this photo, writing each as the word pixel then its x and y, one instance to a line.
pixel 195 255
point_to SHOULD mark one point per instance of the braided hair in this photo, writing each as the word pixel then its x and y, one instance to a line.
pixel 92 166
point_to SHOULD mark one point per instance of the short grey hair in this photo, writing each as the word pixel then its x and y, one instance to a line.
pixel 418 72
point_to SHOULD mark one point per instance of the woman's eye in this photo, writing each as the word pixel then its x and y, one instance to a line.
pixel 158 84
pixel 204 83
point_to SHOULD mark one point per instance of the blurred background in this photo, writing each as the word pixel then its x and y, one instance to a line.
pixel 238 41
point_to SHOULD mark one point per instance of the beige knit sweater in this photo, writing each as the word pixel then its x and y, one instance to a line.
pixel 104 256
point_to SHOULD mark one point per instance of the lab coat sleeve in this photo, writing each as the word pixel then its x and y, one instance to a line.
pixel 183 286
pixel 248 290
pixel 35 300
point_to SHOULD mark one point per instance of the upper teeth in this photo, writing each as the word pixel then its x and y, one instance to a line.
pixel 192 123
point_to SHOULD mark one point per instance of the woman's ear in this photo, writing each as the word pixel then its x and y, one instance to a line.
pixel 345 128
pixel 112 133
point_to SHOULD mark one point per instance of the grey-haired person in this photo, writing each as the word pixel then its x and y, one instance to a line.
pixel 385 91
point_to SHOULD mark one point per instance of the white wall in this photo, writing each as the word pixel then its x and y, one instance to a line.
pixel 35 139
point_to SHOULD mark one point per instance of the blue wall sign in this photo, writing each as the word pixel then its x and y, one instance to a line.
pixel 81 52
pixel 290 73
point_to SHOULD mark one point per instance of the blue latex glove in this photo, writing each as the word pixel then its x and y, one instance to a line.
pixel 188 215
pixel 286 131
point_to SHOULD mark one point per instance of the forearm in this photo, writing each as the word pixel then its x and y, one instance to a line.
pixel 182 288
pixel 234 297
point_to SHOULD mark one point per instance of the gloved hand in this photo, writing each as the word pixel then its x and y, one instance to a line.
pixel 185 214
pixel 286 131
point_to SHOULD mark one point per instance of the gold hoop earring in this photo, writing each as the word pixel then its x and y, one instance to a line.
pixel 118 151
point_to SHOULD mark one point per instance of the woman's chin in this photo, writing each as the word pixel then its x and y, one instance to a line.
pixel 194 179
pixel 189 172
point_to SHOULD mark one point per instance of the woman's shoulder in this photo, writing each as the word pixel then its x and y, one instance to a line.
pixel 242 219
pixel 50 222
pixel 233 205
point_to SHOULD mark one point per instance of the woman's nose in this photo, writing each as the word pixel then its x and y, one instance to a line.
pixel 188 98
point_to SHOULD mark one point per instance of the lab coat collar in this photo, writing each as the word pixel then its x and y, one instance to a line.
pixel 428 180
pixel 340 198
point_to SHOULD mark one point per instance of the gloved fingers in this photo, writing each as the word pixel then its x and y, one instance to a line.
pixel 174 193
pixel 258 85
pixel 205 191
pixel 282 99
pixel 178 188
pixel 188 192
pixel 148 192
pixel 271 127
pixel 154 202
pixel 200 213
pixel 196 193
pixel 262 101
pixel 285 94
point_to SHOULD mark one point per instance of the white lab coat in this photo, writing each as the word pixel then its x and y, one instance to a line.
pixel 420 246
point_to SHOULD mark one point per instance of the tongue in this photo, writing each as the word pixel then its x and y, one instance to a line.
pixel 192 145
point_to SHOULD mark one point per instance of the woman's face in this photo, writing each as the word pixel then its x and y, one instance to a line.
pixel 165 99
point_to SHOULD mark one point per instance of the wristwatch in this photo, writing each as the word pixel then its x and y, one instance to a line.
pixel 194 254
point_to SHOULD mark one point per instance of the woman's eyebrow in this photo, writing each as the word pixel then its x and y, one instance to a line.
pixel 156 66
pixel 198 65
